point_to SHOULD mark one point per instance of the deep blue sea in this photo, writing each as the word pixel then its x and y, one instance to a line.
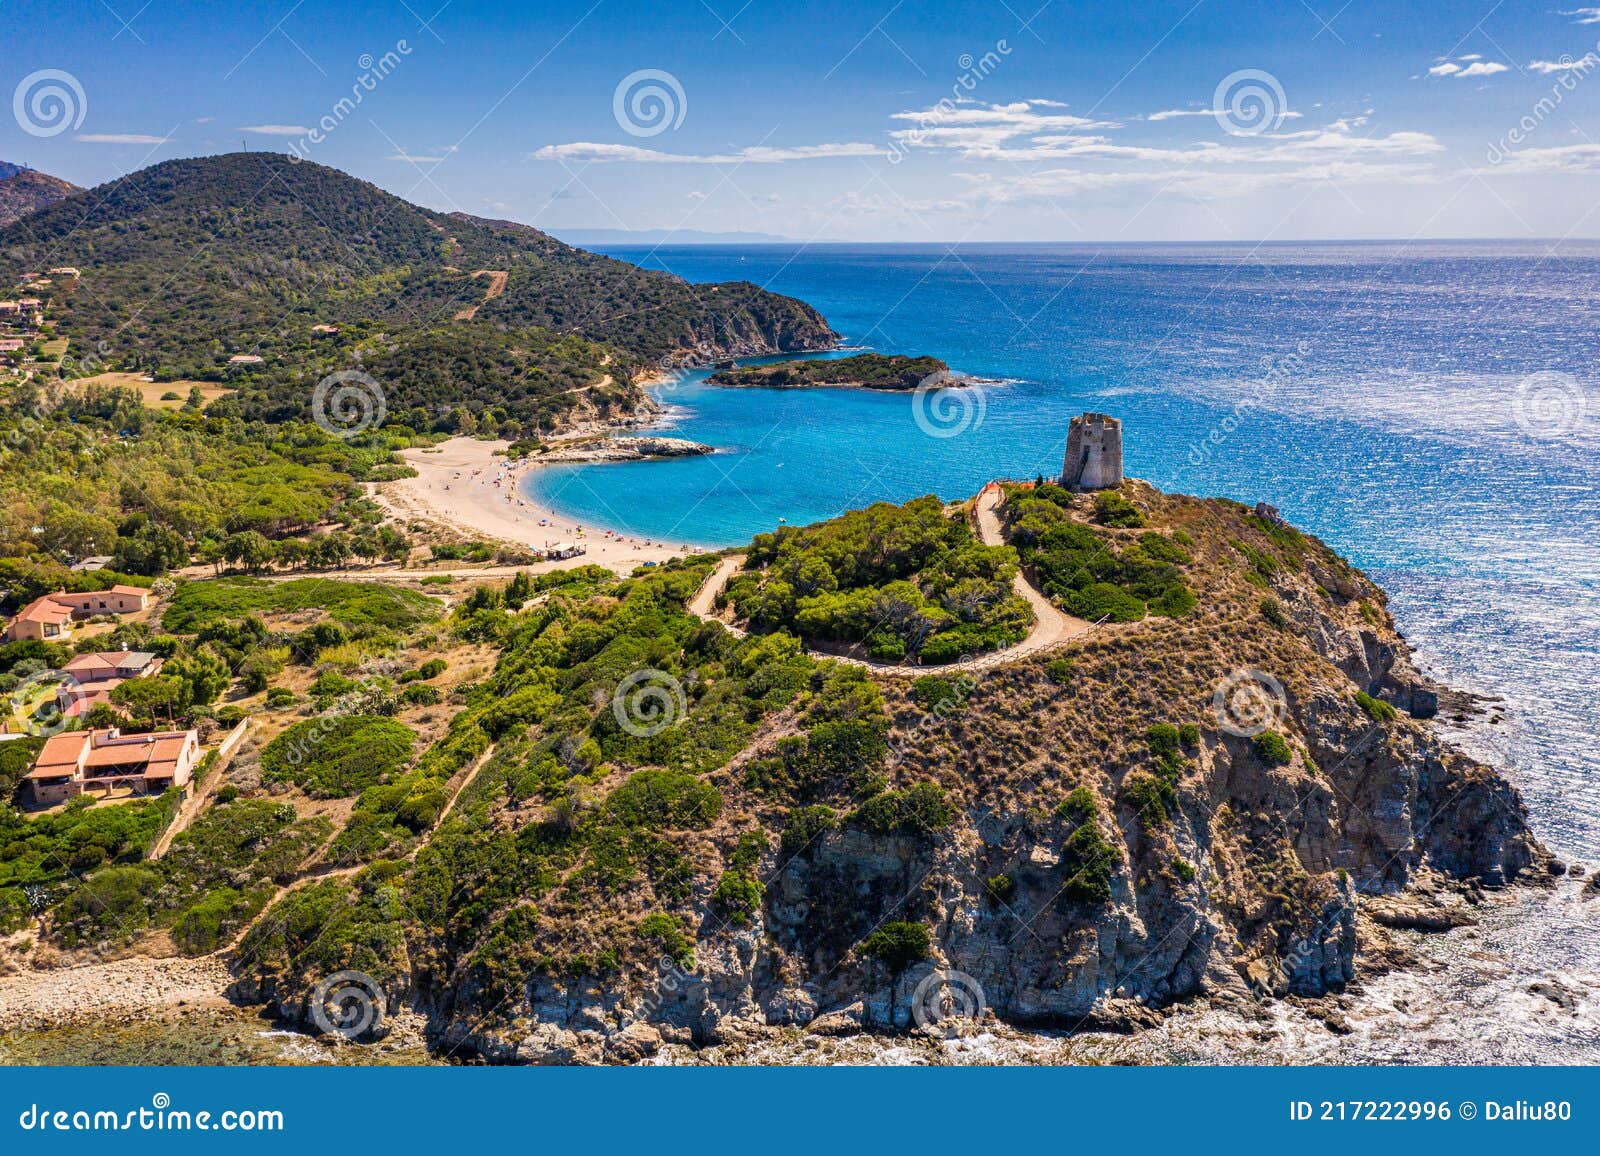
pixel 1431 410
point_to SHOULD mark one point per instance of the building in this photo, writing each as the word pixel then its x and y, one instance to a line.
pixel 95 676
pixel 245 359
pixel 63 271
pixel 100 762
pixel 324 330
pixel 42 620
pixel 1094 453
pixel 49 618
pixel 10 308
pixel 117 600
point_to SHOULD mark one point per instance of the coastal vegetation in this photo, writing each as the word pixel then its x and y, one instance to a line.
pixel 900 581
pixel 864 370
pixel 185 270
pixel 1093 574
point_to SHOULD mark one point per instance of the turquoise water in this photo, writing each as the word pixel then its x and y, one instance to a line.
pixel 1430 410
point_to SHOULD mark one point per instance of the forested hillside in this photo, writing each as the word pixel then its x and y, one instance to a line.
pixel 191 263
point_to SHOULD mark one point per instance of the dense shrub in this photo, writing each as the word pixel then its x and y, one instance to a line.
pixel 336 757
pixel 898 945
pixel 1377 710
pixel 1273 749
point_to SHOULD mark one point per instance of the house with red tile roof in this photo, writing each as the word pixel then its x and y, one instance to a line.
pixel 49 618
pixel 96 675
pixel 42 620
pixel 119 599
pixel 103 761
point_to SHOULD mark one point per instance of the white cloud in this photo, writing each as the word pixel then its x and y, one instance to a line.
pixel 1584 15
pixel 595 153
pixel 130 138
pixel 1565 64
pixel 1464 66
pixel 275 129
pixel 1578 158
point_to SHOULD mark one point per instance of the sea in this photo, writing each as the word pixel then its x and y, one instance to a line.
pixel 1431 410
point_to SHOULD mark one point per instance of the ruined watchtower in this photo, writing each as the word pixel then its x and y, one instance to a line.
pixel 1094 453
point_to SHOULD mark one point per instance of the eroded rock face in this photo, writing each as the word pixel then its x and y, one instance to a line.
pixel 1039 959
pixel 1220 869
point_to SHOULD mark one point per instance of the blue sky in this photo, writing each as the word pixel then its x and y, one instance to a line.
pixel 862 120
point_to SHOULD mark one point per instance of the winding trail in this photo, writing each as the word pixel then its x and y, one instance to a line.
pixel 1051 628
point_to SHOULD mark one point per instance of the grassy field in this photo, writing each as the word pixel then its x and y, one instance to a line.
pixel 152 392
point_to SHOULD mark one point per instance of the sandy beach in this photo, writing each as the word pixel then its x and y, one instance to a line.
pixel 463 484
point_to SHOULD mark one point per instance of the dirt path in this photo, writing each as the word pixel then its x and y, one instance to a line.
pixel 192 805
pixel 1050 629
pixel 497 286
pixel 704 603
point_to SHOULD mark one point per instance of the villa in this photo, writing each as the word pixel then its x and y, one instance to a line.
pixel 49 618
pixel 90 762
pixel 41 620
pixel 96 675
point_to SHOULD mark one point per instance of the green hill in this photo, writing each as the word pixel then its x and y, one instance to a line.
pixel 190 262
pixel 25 191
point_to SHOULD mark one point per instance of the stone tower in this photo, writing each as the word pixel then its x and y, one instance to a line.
pixel 1094 453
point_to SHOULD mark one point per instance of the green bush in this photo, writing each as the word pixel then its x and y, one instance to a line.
pixel 668 933
pixel 1377 710
pixel 1089 862
pixel 898 945
pixel 338 757
pixel 1112 509
pixel 921 810
pixel 1273 749
pixel 737 897
pixel 1273 612
pixel 1000 888
pixel 1163 739
pixel 805 826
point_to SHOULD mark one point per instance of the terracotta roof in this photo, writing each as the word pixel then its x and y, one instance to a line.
pixel 106 661
pixel 153 755
pixel 121 589
pixel 45 609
